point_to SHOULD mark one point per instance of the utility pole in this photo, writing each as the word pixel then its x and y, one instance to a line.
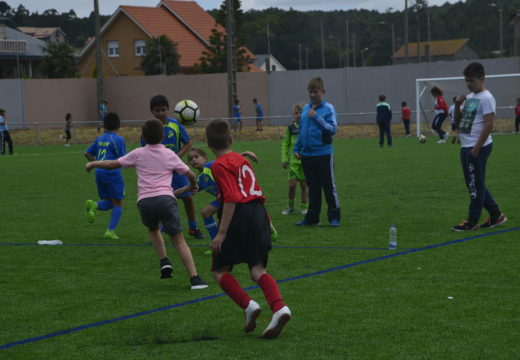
pixel 300 56
pixel 268 60
pixel 231 57
pixel 322 45
pixel 406 31
pixel 348 57
pixel 429 37
pixel 354 49
pixel 99 66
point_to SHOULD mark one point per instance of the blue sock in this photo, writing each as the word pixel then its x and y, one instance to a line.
pixel 117 211
pixel 211 226
pixel 104 205
pixel 192 224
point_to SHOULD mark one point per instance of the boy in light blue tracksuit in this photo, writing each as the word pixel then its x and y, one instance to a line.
pixel 314 147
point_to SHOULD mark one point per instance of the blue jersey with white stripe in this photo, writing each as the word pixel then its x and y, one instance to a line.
pixel 175 136
pixel 315 134
pixel 109 146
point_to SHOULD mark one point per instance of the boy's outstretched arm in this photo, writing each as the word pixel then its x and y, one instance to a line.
pixel 106 164
pixel 251 155
pixel 89 156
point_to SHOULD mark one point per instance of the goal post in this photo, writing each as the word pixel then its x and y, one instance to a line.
pixel 504 87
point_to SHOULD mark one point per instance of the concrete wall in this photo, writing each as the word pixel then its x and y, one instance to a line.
pixel 351 90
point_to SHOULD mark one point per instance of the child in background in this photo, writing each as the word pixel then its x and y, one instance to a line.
pixel 5 136
pixel 405 116
pixel 259 115
pixel 156 201
pixel 383 119
pixel 441 111
pixel 451 115
pixel 68 125
pixel 177 140
pixel 111 188
pixel 517 116
pixel 237 116
pixel 243 232
pixel 294 165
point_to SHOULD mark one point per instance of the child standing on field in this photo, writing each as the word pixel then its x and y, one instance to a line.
pixel 243 232
pixel 293 164
pixel 111 188
pixel 475 123
pixel 405 116
pixel 68 125
pixel 157 205
pixel 237 116
pixel 177 140
pixel 5 136
pixel 517 116
pixel 314 148
pixel 441 111
pixel 384 118
pixel 259 115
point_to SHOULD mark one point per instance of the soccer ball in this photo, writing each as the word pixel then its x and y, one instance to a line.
pixel 187 112
pixel 422 139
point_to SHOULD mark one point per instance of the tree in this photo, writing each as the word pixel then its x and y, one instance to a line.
pixel 214 59
pixel 4 8
pixel 59 61
pixel 161 57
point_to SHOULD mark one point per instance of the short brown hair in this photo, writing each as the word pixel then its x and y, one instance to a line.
pixel 382 97
pixel 298 106
pixel 199 151
pixel 153 131
pixel 435 91
pixel 316 83
pixel 218 134
pixel 2 111
pixel 475 69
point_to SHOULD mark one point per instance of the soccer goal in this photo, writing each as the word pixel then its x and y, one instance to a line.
pixel 504 87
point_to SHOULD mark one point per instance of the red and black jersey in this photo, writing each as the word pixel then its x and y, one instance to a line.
pixel 405 112
pixel 440 105
pixel 236 179
pixel 517 110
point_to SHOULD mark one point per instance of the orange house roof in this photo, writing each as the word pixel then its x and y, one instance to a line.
pixel 437 48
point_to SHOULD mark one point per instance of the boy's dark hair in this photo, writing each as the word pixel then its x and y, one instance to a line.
pixel 217 134
pixel 475 69
pixel 200 152
pixel 403 103
pixel 435 91
pixel 316 83
pixel 2 112
pixel 454 98
pixel 237 102
pixel 159 100
pixel 68 116
pixel 382 97
pixel 111 121
pixel 254 100
pixel 152 131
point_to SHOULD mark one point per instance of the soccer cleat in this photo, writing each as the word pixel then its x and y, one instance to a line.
pixel 280 318
pixel 465 225
pixel 197 283
pixel 91 210
pixel 288 211
pixel 195 233
pixel 111 235
pixel 250 314
pixel 166 268
pixel 304 223
pixel 334 223
pixel 491 223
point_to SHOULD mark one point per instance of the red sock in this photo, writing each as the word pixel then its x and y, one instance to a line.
pixel 231 286
pixel 271 292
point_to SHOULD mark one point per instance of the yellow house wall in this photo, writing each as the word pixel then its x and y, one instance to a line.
pixel 127 63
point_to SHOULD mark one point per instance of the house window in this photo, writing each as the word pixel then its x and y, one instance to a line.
pixel 139 46
pixel 113 49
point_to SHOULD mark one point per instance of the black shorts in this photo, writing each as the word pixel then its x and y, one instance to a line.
pixel 67 134
pixel 248 238
pixel 160 209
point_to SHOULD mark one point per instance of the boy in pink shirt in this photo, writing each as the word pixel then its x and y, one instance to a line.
pixel 154 165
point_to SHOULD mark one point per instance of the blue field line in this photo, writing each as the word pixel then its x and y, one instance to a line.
pixel 299 277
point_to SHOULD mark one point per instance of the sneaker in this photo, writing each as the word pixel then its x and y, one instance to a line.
pixel 67 145
pixel 304 223
pixel 334 223
pixel 446 136
pixel 280 318
pixel 288 211
pixel 465 225
pixel 197 283
pixel 441 141
pixel 91 210
pixel 250 314
pixel 303 211
pixel 196 234
pixel 488 224
pixel 166 268
pixel 111 235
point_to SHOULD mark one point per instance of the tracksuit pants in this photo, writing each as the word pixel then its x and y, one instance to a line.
pixel 319 171
pixel 437 124
pixel 475 175
pixel 384 128
pixel 6 138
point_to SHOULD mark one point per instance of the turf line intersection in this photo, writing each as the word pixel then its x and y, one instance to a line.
pixel 210 297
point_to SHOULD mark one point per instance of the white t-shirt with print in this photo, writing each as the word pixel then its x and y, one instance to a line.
pixel 471 125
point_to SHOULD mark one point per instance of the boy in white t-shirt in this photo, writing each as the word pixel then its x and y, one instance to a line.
pixel 155 164
pixel 475 123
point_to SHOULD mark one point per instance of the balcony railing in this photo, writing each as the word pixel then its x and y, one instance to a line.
pixel 13 46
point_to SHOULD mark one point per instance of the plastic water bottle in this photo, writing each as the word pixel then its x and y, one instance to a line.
pixel 392 238
pixel 50 242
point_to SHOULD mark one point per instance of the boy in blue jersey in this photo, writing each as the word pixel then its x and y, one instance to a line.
pixel 259 115
pixel 177 140
pixel 314 147
pixel 237 116
pixel 111 188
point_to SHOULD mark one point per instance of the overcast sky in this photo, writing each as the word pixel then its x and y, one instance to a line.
pixel 107 7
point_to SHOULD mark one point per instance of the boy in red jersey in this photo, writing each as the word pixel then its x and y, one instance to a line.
pixel 405 116
pixel 243 233
pixel 441 112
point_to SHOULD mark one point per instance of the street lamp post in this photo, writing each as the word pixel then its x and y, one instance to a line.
pixel 501 29
pixel 363 56
pixel 393 38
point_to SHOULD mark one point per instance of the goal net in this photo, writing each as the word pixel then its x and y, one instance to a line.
pixel 504 87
